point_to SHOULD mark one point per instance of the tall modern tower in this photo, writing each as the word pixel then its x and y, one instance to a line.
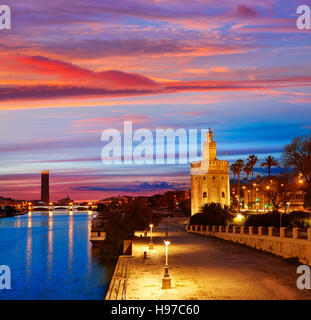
pixel 45 188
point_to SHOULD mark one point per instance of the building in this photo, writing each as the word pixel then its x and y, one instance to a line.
pixel 256 197
pixel 209 178
pixel 45 188
pixel 65 202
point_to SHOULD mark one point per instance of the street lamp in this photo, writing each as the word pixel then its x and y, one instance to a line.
pixel 151 243
pixel 166 280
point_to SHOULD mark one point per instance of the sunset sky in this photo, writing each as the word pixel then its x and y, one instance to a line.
pixel 71 69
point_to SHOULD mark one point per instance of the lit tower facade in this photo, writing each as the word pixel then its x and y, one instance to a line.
pixel 209 178
pixel 45 187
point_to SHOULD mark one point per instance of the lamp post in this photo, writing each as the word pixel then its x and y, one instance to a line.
pixel 166 280
pixel 268 188
pixel 151 243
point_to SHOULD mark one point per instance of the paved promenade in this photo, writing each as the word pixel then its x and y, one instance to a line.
pixel 207 268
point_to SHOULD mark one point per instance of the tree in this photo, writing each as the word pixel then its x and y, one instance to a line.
pixel 185 206
pixel 233 168
pixel 247 169
pixel 297 155
pixel 252 160
pixel 280 191
pixel 268 163
pixel 138 214
pixel 212 214
pixel 239 164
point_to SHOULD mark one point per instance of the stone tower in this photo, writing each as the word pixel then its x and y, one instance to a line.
pixel 209 177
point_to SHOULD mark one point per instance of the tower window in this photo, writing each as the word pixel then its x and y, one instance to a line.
pixel 204 194
pixel 223 195
pixel 213 177
pixel 204 178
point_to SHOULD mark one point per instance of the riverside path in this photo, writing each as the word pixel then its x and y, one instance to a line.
pixel 205 268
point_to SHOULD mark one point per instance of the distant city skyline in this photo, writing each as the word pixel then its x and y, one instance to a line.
pixel 241 68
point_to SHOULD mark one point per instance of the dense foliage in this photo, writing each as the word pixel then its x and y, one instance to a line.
pixel 7 211
pixel 294 219
pixel 120 223
pixel 185 206
pixel 212 214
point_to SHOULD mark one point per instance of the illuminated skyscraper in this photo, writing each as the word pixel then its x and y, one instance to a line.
pixel 45 192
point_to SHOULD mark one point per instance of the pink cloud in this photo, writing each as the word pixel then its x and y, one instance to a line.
pixel 243 11
pixel 69 73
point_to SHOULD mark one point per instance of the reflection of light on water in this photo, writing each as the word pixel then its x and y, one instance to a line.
pixel 70 240
pixel 89 212
pixel 41 254
pixel 50 213
pixel 29 221
pixel 50 244
pixel 29 214
pixel 17 224
pixel 89 258
pixel 29 245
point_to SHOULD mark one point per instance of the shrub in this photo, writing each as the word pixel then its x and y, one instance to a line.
pixel 212 214
pixel 298 219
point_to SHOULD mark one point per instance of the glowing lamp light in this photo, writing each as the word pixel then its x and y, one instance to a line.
pixel 167 243
pixel 267 187
pixel 151 243
pixel 300 181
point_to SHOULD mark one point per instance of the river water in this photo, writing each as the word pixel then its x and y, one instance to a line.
pixel 51 257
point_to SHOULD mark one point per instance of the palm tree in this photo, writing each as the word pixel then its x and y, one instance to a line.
pixel 239 164
pixel 234 170
pixel 247 169
pixel 252 160
pixel 268 163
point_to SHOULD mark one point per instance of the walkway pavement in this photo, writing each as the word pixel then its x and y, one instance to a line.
pixel 207 268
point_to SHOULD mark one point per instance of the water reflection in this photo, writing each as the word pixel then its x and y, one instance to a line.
pixel 70 241
pixel 50 244
pixel 51 257
pixel 29 245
